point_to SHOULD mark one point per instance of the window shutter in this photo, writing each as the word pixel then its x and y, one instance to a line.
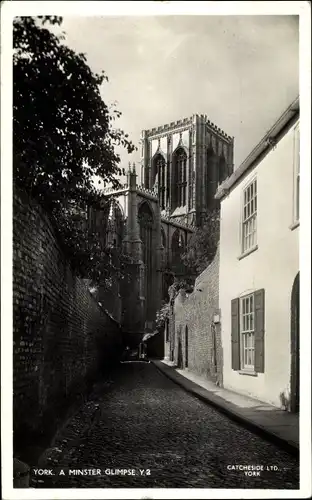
pixel 259 331
pixel 235 334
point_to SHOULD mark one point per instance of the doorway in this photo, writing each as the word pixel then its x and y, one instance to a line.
pixel 186 346
pixel 180 352
pixel 295 346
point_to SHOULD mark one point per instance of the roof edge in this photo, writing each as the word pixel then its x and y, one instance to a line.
pixel 265 145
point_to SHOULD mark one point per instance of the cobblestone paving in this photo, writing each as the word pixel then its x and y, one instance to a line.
pixel 146 423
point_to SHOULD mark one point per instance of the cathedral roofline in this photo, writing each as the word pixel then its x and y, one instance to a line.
pixel 111 190
pixel 125 187
pixel 145 191
pixel 168 220
pixel 185 123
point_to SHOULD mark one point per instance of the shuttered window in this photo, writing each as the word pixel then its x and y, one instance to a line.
pixel 235 335
pixel 248 332
pixel 259 331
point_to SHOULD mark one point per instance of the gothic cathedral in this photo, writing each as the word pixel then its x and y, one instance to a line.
pixel 182 164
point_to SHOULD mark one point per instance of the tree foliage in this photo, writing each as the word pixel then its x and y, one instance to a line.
pixel 92 260
pixel 203 244
pixel 162 315
pixel 63 131
pixel 63 136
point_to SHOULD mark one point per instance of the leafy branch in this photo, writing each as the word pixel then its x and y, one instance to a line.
pixel 203 244
pixel 63 134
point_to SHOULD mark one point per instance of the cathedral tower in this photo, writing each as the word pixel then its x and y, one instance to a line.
pixel 187 159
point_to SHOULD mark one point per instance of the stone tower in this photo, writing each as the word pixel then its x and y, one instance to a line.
pixel 187 159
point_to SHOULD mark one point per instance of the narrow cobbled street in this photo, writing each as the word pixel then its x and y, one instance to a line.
pixel 142 421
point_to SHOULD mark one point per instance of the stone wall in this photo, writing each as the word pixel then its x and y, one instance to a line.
pixel 194 338
pixel 61 336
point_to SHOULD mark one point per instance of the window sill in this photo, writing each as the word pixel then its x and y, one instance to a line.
pixel 294 225
pixel 248 372
pixel 248 252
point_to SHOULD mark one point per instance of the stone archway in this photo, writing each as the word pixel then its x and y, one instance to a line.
pixel 295 345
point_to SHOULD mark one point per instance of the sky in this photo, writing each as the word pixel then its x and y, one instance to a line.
pixel 242 71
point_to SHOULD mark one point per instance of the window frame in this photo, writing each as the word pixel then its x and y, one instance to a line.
pixel 249 218
pixel 259 298
pixel 160 168
pixel 181 172
pixel 244 332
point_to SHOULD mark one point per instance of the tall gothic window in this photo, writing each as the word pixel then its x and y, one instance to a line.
pixel 146 234
pixel 180 177
pixel 160 165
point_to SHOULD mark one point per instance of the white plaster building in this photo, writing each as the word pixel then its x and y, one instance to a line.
pixel 259 268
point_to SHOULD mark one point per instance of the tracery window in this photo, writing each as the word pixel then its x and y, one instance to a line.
pixel 180 168
pixel 161 169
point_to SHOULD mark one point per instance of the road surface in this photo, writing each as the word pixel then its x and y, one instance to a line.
pixel 141 430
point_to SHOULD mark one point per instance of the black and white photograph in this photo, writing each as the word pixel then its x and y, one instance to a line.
pixel 155 181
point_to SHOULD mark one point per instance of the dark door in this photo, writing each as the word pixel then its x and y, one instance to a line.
pixel 172 343
pixel 186 346
pixel 295 344
pixel 180 353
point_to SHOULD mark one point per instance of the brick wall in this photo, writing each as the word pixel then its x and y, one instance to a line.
pixel 61 336
pixel 192 317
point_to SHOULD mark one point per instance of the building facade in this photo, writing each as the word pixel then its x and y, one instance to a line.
pixel 192 335
pixel 259 268
pixel 186 160
pixel 182 164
